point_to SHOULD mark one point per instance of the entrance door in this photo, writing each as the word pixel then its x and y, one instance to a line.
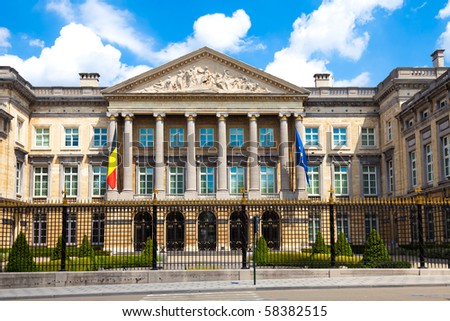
pixel 142 230
pixel 175 231
pixel 207 231
pixel 270 229
pixel 238 230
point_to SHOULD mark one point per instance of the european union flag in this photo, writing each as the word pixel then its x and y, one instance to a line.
pixel 300 155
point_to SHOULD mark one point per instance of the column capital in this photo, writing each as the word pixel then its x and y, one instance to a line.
pixel 112 116
pixel 284 116
pixel 128 116
pixel 253 116
pixel 299 116
pixel 190 116
pixel 159 116
pixel 222 116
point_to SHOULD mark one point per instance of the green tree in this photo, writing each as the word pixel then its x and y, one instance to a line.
pixel 85 249
pixel 319 245
pixel 57 250
pixel 262 252
pixel 375 252
pixel 342 247
pixel 147 254
pixel 20 257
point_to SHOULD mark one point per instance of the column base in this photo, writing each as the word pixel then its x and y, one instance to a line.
pixel 301 194
pixel 190 195
pixel 222 194
pixel 287 195
pixel 112 195
pixel 160 195
pixel 256 194
pixel 127 195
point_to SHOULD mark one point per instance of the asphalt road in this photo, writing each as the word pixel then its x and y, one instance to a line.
pixel 420 293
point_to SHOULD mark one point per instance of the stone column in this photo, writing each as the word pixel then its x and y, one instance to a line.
pixel 127 191
pixel 191 168
pixel 112 194
pixel 300 175
pixel 254 190
pixel 285 188
pixel 222 166
pixel 159 173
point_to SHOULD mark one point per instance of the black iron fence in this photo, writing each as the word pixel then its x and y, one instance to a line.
pixel 224 235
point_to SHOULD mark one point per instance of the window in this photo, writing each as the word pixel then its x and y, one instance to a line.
pixel 429 163
pixel 207 180
pixel 446 155
pixel 390 172
pixel 146 137
pixel 98 229
pixel 237 179
pixel 40 182
pixel 236 137
pixel 370 223
pixel 100 137
pixel 71 137
pixel 266 137
pixel 71 235
pixel 341 180
pixel 19 131
pixel 313 226
pixel 441 103
pixel 368 137
pixel 429 223
pixel 176 137
pixel 369 180
pixel 39 229
pixel 71 181
pixel 267 180
pixel 339 137
pixel 42 138
pixel 206 137
pixel 424 114
pixel 312 136
pixel 342 224
pixel 99 180
pixel 446 212
pixel 176 180
pixel 146 180
pixel 413 168
pixel 314 181
pixel 409 123
pixel 388 131
pixel 19 177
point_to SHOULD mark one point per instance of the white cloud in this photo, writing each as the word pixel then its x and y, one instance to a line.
pixel 77 49
pixel 4 36
pixel 361 80
pixel 331 29
pixel 444 12
pixel 64 8
pixel 36 43
pixel 444 41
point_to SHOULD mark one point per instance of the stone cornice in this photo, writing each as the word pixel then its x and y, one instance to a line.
pixel 71 101
pixel 204 97
pixel 398 84
pixel 339 102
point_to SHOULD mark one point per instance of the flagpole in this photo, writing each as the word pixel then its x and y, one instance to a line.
pixel 301 160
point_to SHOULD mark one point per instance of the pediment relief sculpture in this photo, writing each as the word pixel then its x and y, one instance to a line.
pixel 201 79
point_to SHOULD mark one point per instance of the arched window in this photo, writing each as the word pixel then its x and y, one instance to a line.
pixel 142 230
pixel 175 231
pixel 270 229
pixel 207 231
pixel 238 230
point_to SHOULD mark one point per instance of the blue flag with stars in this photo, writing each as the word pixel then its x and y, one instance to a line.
pixel 300 155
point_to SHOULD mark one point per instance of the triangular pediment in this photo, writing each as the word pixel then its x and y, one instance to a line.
pixel 205 71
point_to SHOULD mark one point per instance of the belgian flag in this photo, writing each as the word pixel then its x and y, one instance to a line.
pixel 111 179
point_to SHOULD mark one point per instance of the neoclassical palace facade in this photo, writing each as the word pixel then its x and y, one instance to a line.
pixel 207 126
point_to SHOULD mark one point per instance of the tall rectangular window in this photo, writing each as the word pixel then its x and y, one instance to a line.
pixel 19 177
pixel 446 155
pixel 207 181
pixel 176 137
pixel 429 217
pixel 369 180
pixel 40 182
pixel 390 172
pixel 236 137
pixel 71 137
pixel 176 180
pixel 145 180
pixel 71 235
pixel 42 137
pixel 429 163
pixel 342 224
pixel 237 179
pixel 98 229
pixel 388 131
pixel 313 226
pixel 370 223
pixel 266 137
pixel 314 181
pixel 368 137
pixel 206 137
pixel 267 179
pixel 341 180
pixel 446 217
pixel 100 137
pixel 413 168
pixel 71 181
pixel 312 136
pixel 146 137
pixel 39 229
pixel 99 180
pixel 339 137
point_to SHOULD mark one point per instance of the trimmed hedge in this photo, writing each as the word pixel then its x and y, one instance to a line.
pixel 262 252
pixel 20 258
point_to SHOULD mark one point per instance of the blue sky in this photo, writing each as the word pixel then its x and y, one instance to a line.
pixel 359 41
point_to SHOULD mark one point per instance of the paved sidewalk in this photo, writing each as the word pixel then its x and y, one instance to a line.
pixel 186 287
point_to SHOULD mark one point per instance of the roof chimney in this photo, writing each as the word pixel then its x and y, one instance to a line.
pixel 322 80
pixel 89 79
pixel 438 58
